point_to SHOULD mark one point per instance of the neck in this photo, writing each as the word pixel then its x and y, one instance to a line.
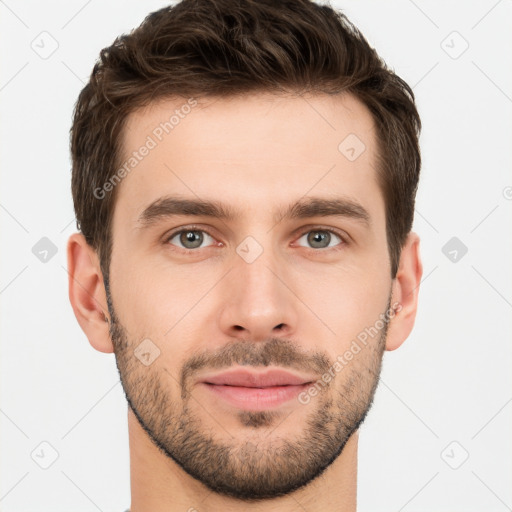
pixel 158 484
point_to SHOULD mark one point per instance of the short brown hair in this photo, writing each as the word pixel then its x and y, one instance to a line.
pixel 220 48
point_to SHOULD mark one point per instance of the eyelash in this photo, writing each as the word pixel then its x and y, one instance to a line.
pixel 343 238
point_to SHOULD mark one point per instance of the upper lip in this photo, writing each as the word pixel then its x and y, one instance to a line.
pixel 253 379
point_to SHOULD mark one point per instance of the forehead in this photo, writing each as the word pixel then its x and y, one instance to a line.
pixel 253 151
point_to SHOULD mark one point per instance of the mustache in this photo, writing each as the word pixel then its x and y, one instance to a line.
pixel 275 351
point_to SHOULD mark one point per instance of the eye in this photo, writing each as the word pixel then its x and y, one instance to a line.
pixel 189 238
pixel 321 238
pixel 193 238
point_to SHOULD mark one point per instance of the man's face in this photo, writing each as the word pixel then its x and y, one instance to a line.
pixel 256 292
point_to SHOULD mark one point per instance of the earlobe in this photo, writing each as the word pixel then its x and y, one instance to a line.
pixel 87 292
pixel 405 293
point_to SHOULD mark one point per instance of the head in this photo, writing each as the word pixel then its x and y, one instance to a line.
pixel 244 177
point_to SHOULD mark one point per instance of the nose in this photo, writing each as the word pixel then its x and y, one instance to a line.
pixel 260 303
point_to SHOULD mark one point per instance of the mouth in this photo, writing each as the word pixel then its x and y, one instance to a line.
pixel 250 390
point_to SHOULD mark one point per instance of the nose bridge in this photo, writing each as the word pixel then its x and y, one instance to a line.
pixel 259 304
pixel 257 268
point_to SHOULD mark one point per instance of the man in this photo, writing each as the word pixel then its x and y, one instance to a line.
pixel 244 176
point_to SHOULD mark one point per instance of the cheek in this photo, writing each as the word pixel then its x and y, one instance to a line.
pixel 138 297
pixel 348 303
pixel 159 299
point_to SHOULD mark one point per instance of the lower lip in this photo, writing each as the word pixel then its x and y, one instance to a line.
pixel 255 399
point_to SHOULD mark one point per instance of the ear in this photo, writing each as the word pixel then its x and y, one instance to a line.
pixel 87 293
pixel 405 292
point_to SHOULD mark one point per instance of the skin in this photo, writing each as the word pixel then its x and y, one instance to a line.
pixel 257 154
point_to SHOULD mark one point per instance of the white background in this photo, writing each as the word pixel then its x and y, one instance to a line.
pixel 449 382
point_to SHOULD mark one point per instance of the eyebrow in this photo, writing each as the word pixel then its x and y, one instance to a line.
pixel 169 206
